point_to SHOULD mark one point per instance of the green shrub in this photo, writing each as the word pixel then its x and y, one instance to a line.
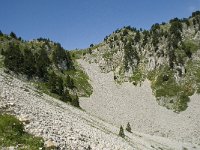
pixel 169 88
pixel 75 101
pixel 137 76
pixel 13 58
pixel 121 132
pixel 128 127
pixel 189 47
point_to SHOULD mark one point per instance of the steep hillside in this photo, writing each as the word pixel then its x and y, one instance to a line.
pixel 167 55
pixel 65 127
pixel 46 64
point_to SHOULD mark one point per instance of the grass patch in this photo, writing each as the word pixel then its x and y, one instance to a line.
pixel 78 54
pixel 44 88
pixel 81 82
pixel 193 74
pixel 12 134
pixel 108 55
pixel 163 84
pixel 1 61
pixel 165 87
pixel 190 45
pixel 137 76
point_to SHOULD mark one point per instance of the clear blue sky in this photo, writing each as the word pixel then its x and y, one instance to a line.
pixel 78 23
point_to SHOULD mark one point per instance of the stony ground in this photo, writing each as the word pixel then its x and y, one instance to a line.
pixel 120 104
pixel 69 128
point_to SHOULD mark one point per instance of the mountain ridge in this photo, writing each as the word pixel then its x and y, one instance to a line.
pixel 167 55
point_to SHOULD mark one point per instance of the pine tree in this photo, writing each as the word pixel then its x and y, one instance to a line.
pixel 128 127
pixel 13 35
pixel 121 132
pixel 42 62
pixel 66 96
pixel 52 79
pixel 58 54
pixel 137 37
pixel 13 58
pixel 29 63
pixel 75 101
pixel 69 82
pixel 1 34
pixel 60 85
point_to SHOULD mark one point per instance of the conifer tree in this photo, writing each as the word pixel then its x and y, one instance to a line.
pixel 60 85
pixel 75 101
pixel 121 132
pixel 29 63
pixel 128 127
pixel 69 82
pixel 1 34
pixel 13 58
pixel 13 35
pixel 52 82
pixel 42 62
pixel 137 37
pixel 66 96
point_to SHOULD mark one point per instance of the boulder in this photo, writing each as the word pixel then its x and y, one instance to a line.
pixel 50 144
pixel 11 104
pixel 24 119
